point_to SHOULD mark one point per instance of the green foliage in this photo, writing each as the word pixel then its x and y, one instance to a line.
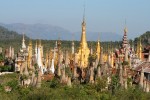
pixel 54 83
pixel 68 71
pixel 54 90
pixel 114 83
pixel 5 68
pixel 1 57
pixel 23 77
pixel 13 84
pixel 1 88
pixel 145 39
pixel 131 93
pixel 100 84
pixel 5 34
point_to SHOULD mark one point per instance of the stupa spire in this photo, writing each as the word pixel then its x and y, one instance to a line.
pixel 139 49
pixel 98 48
pixel 83 36
pixel 23 42
pixel 72 48
pixel 83 49
pixel 124 39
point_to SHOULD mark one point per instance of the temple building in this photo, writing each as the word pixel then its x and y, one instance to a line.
pixel 21 57
pixel 125 43
pixel 84 51
pixel 39 56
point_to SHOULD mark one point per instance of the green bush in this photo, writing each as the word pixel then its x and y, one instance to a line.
pixel 5 68
pixel 54 83
pixel 13 84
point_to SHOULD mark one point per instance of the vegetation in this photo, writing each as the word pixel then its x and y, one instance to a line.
pixel 6 34
pixel 1 57
pixel 5 68
pixel 54 90
pixel 145 39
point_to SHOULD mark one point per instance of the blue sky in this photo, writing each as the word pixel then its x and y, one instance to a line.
pixel 101 15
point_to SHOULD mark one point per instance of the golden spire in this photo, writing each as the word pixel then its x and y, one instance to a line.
pixel 140 49
pixel 84 13
pixel 98 50
pixel 84 51
pixel 83 36
pixel 125 29
pixel 29 54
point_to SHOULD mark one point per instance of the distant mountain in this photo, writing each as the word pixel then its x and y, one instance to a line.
pixel 5 34
pixel 49 32
pixel 37 31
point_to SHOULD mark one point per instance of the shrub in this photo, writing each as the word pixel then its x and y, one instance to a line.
pixel 54 83
pixel 13 84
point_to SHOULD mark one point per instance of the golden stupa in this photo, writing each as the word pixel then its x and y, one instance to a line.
pixel 84 51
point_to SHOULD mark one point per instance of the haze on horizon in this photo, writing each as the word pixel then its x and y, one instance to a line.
pixel 101 15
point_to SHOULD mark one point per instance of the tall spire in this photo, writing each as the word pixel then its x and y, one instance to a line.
pixel 124 39
pixel 101 57
pixel 29 53
pixel 83 50
pixel 83 37
pixel 125 29
pixel 140 52
pixel 23 42
pixel 84 12
pixel 139 49
pixel 72 48
pixel 98 48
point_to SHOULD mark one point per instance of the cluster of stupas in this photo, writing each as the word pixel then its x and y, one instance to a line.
pixel 84 66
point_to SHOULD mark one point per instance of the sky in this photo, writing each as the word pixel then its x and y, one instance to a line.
pixel 100 15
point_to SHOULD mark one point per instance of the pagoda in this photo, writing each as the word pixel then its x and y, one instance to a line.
pixel 84 51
